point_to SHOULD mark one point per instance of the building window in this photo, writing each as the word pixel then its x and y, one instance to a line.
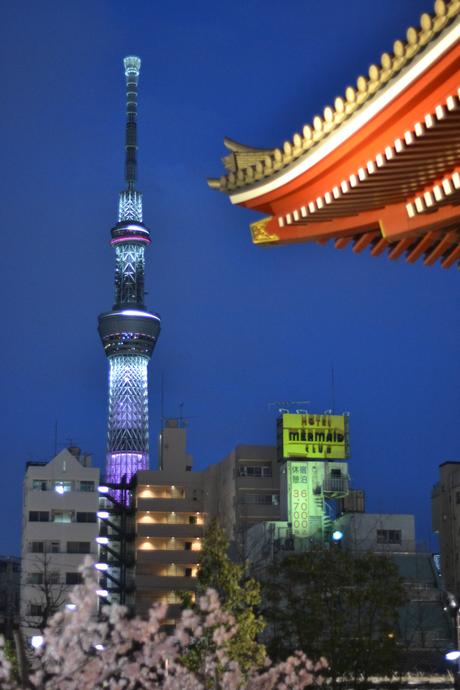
pixel 255 470
pixel 388 536
pixel 62 516
pixel 260 499
pixel 78 547
pixel 188 572
pixel 53 577
pixel 35 578
pixel 457 497
pixel 39 516
pixel 37 546
pixel 62 487
pixel 86 517
pixel 55 547
pixel 188 546
pixel 86 486
pixel 36 609
pixel 192 519
pixel 39 485
pixel 73 578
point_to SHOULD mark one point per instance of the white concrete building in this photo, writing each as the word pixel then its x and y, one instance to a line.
pixel 59 527
pixel 378 532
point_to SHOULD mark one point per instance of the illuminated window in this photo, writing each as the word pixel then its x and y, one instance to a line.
pixel 62 487
pixel 62 516
pixel 146 546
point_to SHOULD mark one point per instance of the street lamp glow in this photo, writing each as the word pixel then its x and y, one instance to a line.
pixel 99 647
pixel 453 655
pixel 59 489
pixel 36 641
pixel 102 593
pixel 102 540
pixel 103 489
pixel 103 514
pixel 337 535
pixel 71 607
pixel 101 566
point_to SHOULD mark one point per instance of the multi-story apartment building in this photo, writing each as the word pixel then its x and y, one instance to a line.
pixel 445 505
pixel 170 519
pixel 10 572
pixel 59 527
pixel 243 490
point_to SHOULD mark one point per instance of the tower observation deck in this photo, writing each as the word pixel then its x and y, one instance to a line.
pixel 129 332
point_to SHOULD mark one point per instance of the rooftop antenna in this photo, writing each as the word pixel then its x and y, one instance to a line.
pixel 55 436
pixel 162 401
pixel 287 405
pixel 333 388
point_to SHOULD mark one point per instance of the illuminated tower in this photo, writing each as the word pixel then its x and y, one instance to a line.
pixel 129 332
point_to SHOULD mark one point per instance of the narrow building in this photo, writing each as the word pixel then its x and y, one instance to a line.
pixel 59 526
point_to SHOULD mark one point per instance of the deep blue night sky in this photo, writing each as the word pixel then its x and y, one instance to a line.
pixel 242 326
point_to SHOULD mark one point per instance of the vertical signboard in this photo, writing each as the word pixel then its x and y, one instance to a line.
pixel 305 497
pixel 298 497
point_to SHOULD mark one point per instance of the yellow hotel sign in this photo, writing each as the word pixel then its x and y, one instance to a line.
pixel 315 436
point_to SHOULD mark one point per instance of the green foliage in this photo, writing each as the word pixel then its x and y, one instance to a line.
pixel 335 604
pixel 239 595
pixel 9 651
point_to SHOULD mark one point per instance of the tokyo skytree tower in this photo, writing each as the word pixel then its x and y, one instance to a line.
pixel 129 332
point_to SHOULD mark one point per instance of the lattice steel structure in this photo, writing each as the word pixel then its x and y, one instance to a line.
pixel 129 332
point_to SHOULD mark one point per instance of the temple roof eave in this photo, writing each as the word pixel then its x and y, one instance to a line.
pixel 253 172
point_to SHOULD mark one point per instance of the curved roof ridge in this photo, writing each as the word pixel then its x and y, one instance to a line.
pixel 246 165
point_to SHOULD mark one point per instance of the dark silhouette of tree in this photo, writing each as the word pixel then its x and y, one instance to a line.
pixel 49 593
pixel 335 604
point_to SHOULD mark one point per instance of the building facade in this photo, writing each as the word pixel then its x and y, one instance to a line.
pixel 59 526
pixel 243 489
pixel 10 574
pixel 170 520
pixel 445 504
pixel 377 532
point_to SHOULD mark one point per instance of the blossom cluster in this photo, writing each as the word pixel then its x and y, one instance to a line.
pixel 110 650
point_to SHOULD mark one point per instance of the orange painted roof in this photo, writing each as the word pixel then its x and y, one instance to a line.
pixel 380 170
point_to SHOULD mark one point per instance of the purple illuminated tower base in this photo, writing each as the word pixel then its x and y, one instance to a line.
pixel 121 465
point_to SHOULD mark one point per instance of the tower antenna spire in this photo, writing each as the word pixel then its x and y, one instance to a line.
pixel 130 206
pixel 132 67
